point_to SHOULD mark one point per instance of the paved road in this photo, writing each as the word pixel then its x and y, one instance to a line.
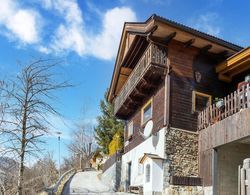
pixel 86 183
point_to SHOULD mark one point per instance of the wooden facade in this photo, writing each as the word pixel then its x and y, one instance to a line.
pixel 157 96
pixel 174 62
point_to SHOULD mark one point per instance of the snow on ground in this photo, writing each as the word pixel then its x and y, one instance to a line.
pixel 87 182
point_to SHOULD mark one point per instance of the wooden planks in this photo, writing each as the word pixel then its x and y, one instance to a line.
pixel 233 103
pixel 154 55
pixel 185 181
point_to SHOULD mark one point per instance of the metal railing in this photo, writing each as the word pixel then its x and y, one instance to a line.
pixel 154 55
pixel 233 103
pixel 58 187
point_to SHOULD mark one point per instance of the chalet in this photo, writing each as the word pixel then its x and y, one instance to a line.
pixel 185 98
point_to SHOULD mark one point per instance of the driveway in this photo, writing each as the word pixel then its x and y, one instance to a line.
pixel 86 183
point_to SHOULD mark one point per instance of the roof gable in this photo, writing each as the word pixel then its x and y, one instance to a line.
pixel 160 28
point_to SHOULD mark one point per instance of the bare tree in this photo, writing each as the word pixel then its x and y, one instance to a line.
pixel 44 168
pixel 71 162
pixel 25 107
pixel 83 144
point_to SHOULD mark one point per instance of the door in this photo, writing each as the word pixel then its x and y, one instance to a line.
pixel 129 173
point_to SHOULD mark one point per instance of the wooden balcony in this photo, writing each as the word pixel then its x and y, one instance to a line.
pixel 147 73
pixel 234 102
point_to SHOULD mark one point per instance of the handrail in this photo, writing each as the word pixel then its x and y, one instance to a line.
pixel 152 55
pixel 233 103
pixel 61 181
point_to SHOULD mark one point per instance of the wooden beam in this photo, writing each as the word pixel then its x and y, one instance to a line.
pixel 189 43
pixel 134 101
pixel 225 78
pixel 125 71
pixel 243 63
pixel 146 33
pixel 126 107
pixel 152 30
pixel 240 70
pixel 140 92
pixel 168 38
pixel 206 48
pixel 222 54
pixel 150 84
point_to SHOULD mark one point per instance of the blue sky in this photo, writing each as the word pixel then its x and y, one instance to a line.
pixel 86 33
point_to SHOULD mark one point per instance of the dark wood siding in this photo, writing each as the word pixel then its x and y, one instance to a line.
pixel 204 63
pixel 184 62
pixel 157 117
pixel 181 60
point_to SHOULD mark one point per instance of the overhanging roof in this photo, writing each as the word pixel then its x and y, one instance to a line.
pixel 234 65
pixel 161 28
pixel 151 156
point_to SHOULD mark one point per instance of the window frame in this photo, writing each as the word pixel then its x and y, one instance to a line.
pixel 148 173
pixel 140 167
pixel 150 101
pixel 130 133
pixel 197 93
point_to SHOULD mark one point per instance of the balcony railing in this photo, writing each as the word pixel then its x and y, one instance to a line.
pixel 233 103
pixel 154 55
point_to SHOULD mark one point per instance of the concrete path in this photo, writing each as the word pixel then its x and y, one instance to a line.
pixel 86 183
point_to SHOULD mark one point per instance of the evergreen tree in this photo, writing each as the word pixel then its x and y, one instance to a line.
pixel 108 125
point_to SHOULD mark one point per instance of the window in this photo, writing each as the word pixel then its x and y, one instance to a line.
pixel 140 167
pixel 147 175
pixel 146 113
pixel 130 129
pixel 200 101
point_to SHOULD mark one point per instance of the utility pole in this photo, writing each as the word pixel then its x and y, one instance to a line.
pixel 59 155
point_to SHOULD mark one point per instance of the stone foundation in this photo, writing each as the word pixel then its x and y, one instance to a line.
pixel 181 148
pixel 182 152
pixel 184 190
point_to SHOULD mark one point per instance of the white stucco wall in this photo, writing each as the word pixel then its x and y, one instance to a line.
pixel 157 175
pixel 208 190
pixel 147 186
pixel 154 145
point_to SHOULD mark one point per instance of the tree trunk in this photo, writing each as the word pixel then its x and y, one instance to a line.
pixel 22 149
pixel 20 174
pixel 21 165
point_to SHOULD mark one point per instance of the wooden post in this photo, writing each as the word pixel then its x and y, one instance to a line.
pixel 248 95
pixel 167 95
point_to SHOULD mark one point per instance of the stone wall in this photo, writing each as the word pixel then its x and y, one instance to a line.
pixel 184 190
pixel 182 152
pixel 181 148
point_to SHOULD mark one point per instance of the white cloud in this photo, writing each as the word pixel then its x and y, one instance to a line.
pixel 70 34
pixel 207 23
pixel 105 44
pixel 73 35
pixel 19 23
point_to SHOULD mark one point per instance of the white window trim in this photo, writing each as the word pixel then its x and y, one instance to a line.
pixel 130 130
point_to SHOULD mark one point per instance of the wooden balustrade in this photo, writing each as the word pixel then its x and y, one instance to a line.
pixel 154 55
pixel 233 103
